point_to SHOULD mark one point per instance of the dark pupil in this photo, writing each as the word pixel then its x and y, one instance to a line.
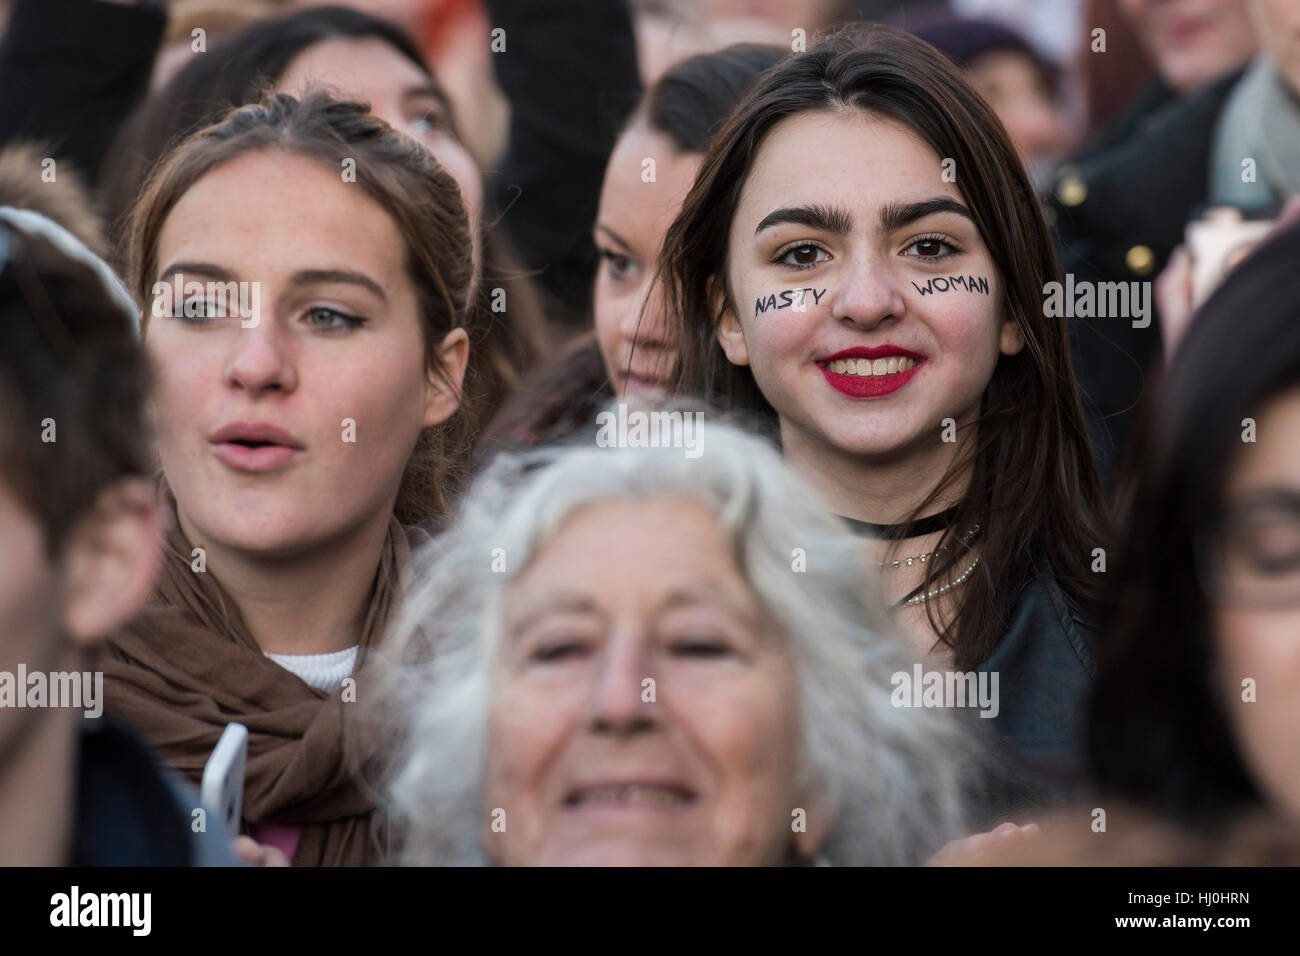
pixel 805 254
pixel 929 247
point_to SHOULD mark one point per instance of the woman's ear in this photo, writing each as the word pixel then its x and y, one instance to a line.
pixel 442 394
pixel 731 336
pixel 111 560
pixel 1011 340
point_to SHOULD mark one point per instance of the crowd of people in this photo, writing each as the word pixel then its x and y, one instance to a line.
pixel 735 433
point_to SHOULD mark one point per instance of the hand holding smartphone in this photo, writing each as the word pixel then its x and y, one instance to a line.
pixel 222 789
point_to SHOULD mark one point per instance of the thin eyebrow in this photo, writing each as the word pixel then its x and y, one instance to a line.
pixel 1273 496
pixel 615 236
pixel 197 268
pixel 428 91
pixel 895 216
pixel 345 276
pixel 834 220
pixel 689 597
pixel 562 603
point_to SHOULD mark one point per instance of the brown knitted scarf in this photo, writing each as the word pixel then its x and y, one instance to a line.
pixel 186 666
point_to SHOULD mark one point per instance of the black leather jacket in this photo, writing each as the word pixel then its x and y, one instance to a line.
pixel 1046 664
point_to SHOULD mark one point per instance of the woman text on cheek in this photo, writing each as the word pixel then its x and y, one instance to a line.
pixel 642 679
pixel 860 264
pixel 304 270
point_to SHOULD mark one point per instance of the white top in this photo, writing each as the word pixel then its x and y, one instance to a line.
pixel 323 671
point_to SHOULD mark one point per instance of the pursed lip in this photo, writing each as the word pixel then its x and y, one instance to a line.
pixel 258 433
pixel 254 447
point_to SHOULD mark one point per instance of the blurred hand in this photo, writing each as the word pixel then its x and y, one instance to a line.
pixel 975 850
pixel 1173 288
pixel 1174 299
pixel 253 853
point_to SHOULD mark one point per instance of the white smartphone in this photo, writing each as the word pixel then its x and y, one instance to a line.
pixel 222 789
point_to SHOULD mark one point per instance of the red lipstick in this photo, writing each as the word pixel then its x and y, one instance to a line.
pixel 870 386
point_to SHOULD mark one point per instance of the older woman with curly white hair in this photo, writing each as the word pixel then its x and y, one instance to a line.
pixel 632 656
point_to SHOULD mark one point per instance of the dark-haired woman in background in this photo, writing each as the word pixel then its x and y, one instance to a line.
pixel 653 165
pixel 1197 710
pixel 860 266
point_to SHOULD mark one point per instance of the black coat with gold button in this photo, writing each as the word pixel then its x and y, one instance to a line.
pixel 1117 217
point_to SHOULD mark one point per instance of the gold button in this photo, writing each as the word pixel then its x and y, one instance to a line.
pixel 1140 260
pixel 1071 190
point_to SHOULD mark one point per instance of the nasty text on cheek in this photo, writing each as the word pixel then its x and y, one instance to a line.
pixel 790 298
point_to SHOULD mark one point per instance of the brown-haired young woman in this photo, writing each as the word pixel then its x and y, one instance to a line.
pixel 860 267
pixel 304 271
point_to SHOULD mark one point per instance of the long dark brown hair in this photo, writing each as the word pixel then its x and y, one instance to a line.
pixel 1033 488
pixel 425 205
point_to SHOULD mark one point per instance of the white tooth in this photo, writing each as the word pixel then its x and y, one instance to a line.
pixel 904 365
pixel 861 366
pixel 840 367
pixel 878 368
pixel 893 366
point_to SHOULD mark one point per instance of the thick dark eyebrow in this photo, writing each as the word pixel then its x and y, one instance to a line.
pixel 815 216
pixel 895 216
pixel 345 276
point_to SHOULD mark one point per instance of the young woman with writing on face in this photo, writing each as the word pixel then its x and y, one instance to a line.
pixel 938 416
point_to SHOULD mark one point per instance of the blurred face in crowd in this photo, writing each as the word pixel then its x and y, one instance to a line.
pixel 643 710
pixel 864 300
pixel 631 223
pixel 1259 557
pixel 1014 85
pixel 29 610
pixel 1278 22
pixel 400 93
pixel 50 606
pixel 1194 42
pixel 294 432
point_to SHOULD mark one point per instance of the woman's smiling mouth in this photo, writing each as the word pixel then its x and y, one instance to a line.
pixel 870 372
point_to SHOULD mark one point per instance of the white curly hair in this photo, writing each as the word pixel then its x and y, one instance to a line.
pixel 895 780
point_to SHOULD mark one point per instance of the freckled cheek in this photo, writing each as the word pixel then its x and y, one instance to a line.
pixel 186 381
pixel 386 395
